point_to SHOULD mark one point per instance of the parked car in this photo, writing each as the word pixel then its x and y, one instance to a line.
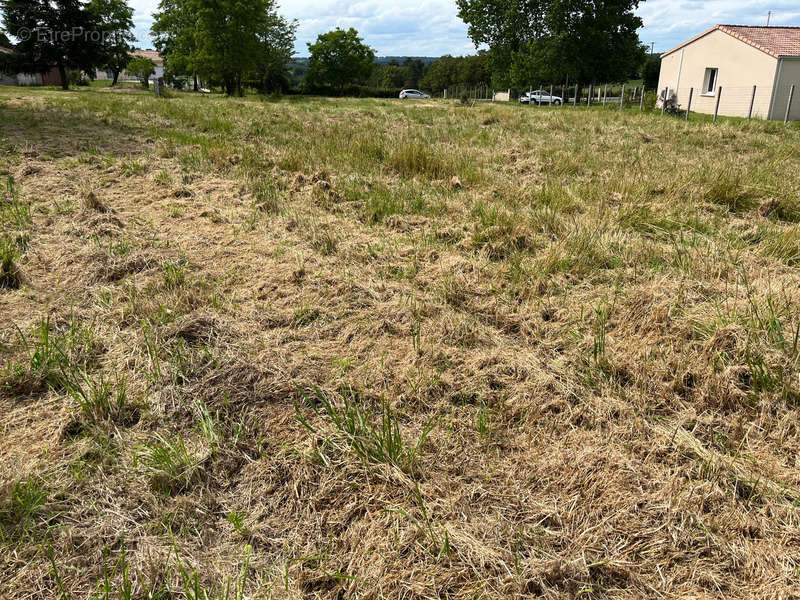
pixel 405 94
pixel 540 97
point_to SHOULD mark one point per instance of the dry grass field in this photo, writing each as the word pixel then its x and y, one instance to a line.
pixel 318 348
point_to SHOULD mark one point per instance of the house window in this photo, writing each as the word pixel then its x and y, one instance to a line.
pixel 710 82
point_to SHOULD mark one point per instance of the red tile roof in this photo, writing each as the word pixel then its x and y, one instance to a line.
pixel 775 41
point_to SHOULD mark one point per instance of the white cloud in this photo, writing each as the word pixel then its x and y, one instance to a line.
pixel 669 23
pixel 432 28
pixel 392 27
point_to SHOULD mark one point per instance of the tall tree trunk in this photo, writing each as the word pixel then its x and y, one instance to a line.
pixel 196 84
pixel 62 72
pixel 115 78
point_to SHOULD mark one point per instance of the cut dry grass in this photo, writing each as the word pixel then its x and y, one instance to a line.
pixel 554 352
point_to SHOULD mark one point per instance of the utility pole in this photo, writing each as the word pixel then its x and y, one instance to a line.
pixel 652 48
pixel 769 16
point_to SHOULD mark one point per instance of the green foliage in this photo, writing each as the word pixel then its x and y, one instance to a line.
pixel 227 42
pixel 59 46
pixel 449 72
pixel 99 399
pixel 169 464
pixel 375 439
pixel 142 68
pixel 115 21
pixel 46 358
pixel 396 76
pixel 48 354
pixel 550 40
pixel 9 272
pixel 26 499
pixel 651 69
pixel 339 58
pixel 174 274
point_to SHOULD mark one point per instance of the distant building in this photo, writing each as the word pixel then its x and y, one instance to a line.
pixel 51 77
pixel 736 58
pixel 125 76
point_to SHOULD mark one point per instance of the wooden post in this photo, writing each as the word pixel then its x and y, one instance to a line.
pixel 551 94
pixel 664 101
pixel 641 100
pixel 605 94
pixel 689 105
pixel 788 105
pixel 589 96
pixel 752 101
pixel 622 96
pixel 716 106
pixel 575 99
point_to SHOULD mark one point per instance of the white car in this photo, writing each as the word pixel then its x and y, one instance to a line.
pixel 405 94
pixel 540 97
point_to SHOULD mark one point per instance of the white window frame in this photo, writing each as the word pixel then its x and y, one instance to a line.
pixel 711 75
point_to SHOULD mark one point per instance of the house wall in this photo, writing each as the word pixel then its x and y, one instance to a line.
pixel 27 79
pixel 740 65
pixel 789 74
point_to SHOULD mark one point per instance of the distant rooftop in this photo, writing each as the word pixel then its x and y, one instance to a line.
pixel 775 41
pixel 151 54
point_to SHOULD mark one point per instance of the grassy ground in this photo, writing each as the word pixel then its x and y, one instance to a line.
pixel 367 349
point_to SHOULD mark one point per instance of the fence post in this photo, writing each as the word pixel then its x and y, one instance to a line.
pixel 689 105
pixel 575 99
pixel 752 101
pixel 716 106
pixel 622 96
pixel 788 105
pixel 641 100
pixel 589 96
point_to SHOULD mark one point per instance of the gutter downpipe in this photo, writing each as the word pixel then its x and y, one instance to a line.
pixel 775 85
pixel 680 70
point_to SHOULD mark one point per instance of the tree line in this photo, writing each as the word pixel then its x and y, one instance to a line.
pixel 235 45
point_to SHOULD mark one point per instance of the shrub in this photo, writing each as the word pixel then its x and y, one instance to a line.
pixel 9 272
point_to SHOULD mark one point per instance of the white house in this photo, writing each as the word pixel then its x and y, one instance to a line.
pixel 736 58
pixel 125 76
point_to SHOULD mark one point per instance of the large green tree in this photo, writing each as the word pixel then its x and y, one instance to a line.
pixel 227 42
pixel 339 58
pixel 461 71
pixel 54 33
pixel 142 68
pixel 115 22
pixel 552 40
pixel 174 33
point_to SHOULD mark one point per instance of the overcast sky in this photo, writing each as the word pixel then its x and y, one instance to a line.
pixel 432 28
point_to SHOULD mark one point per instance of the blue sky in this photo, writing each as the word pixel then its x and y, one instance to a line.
pixel 432 28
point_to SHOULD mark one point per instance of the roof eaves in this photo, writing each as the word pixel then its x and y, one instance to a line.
pixel 687 42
